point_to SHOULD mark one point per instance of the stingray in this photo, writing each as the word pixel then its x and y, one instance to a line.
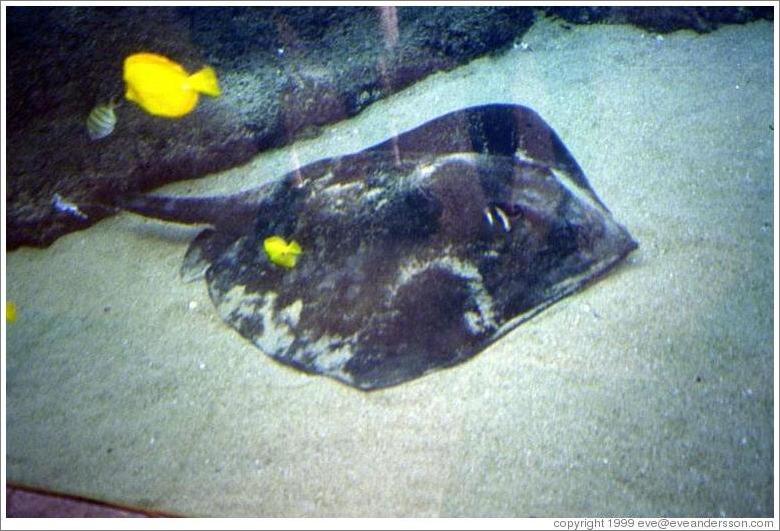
pixel 417 253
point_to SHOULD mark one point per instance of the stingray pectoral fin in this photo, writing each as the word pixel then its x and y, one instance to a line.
pixel 203 250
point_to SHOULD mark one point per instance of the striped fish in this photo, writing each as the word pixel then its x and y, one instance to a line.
pixel 101 121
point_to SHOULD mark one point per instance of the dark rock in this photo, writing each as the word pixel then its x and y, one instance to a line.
pixel 663 19
pixel 284 72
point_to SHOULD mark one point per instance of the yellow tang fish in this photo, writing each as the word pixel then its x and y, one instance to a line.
pixel 10 312
pixel 163 88
pixel 282 253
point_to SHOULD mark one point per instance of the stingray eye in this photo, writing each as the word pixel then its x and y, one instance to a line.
pixel 513 210
pixel 497 218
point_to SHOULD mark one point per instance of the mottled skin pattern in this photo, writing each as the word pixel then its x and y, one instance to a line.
pixel 417 253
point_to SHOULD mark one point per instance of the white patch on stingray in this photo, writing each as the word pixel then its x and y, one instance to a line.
pixel 328 354
pixel 424 171
pixel 341 198
pixel 523 156
pixel 317 184
pixel 291 314
pixel 476 322
pixel 331 352
pixel 372 194
pixel 277 331
pixel 341 188
pixel 379 204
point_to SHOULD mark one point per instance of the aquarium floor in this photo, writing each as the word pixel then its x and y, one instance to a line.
pixel 648 393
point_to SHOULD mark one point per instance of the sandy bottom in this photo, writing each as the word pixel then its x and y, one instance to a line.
pixel 650 393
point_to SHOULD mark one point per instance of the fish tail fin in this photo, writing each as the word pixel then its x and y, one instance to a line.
pixel 205 81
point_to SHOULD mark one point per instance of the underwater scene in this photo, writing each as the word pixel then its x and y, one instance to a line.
pixel 391 261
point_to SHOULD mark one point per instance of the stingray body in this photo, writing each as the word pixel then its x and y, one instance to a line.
pixel 418 252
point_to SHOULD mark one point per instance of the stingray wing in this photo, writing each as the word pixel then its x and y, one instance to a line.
pixel 420 251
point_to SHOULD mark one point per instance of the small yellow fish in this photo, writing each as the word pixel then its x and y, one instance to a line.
pixel 101 121
pixel 163 88
pixel 10 312
pixel 282 253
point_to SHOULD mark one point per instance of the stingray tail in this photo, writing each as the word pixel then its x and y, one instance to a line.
pixel 220 212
